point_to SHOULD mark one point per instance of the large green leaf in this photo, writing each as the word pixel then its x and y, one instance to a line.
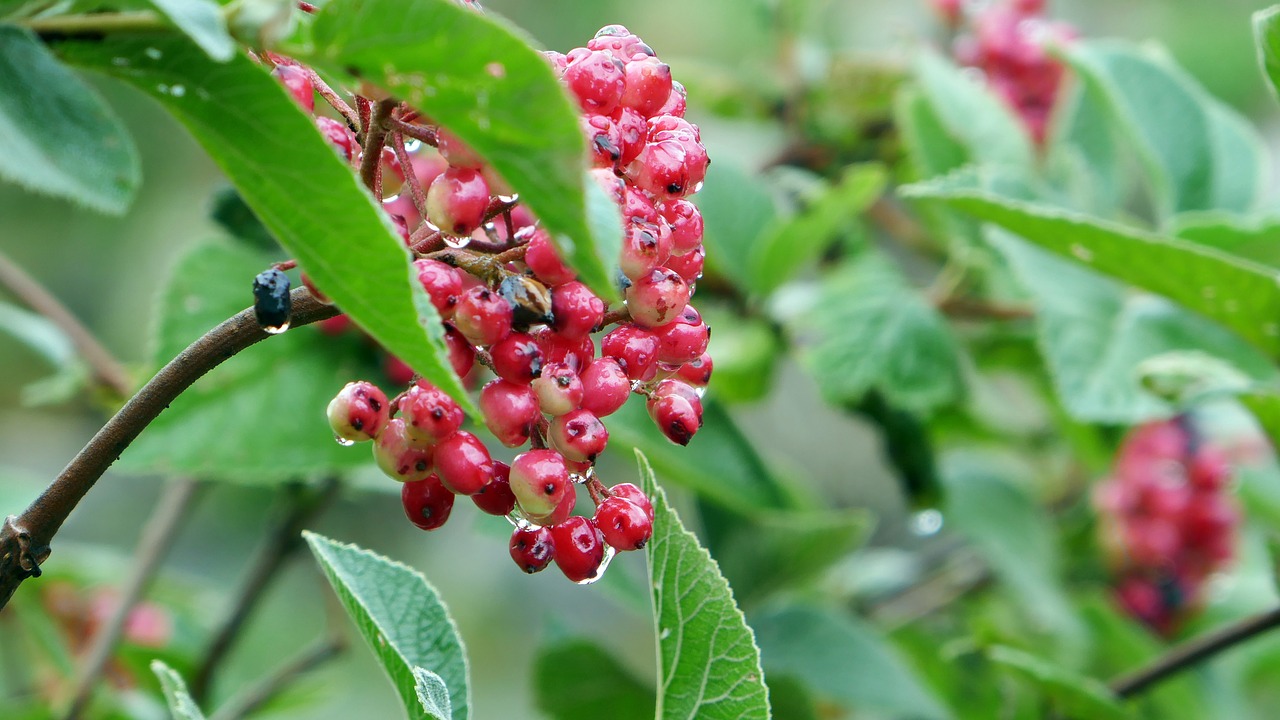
pixel 1073 694
pixel 303 192
pixel 1239 294
pixel 1095 336
pixel 787 247
pixel 203 22
pixel 1250 238
pixel 259 417
pixel 843 661
pixel 875 332
pixel 737 209
pixel 56 135
pixel 578 680
pixel 972 114
pixel 175 693
pixel 1086 154
pixel 1266 35
pixel 481 79
pixel 402 618
pixel 708 662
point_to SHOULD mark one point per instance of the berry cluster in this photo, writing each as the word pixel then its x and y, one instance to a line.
pixel 1168 521
pixel 561 359
pixel 1007 40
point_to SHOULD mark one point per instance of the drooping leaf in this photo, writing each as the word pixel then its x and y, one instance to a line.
pixel 260 416
pixel 1073 694
pixel 483 81
pixel 875 332
pixel 708 662
pixel 841 660
pixel 175 693
pixel 972 114
pixel 1095 336
pixel 578 680
pixel 56 135
pixel 1237 293
pixel 777 255
pixel 305 195
pixel 402 618
pixel 433 694
pixel 202 21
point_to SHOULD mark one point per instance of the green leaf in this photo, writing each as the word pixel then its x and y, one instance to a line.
pixel 972 114
pixel 719 464
pixel 930 148
pixel 737 209
pixel 305 195
pixel 175 693
pixel 746 350
pixel 1074 695
pixel 708 662
pixel 577 680
pixel 433 694
pixel 1086 156
pixel 777 255
pixel 37 333
pixel 1250 238
pixel 1239 294
pixel 482 80
pixel 1266 35
pixel 1097 336
pixel 56 135
pixel 875 332
pixel 841 660
pixel 260 416
pixel 402 618
pixel 202 21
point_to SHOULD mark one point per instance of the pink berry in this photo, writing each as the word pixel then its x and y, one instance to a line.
pixel 556 348
pixel 429 413
pixel 689 265
pixel 676 417
pixel 532 548
pixel 577 310
pixel 579 548
pixel 517 358
pixel 358 412
pixel 630 492
pixel 696 372
pixel 579 436
pixel 638 208
pixel 442 283
pixel 544 260
pixel 1209 468
pixel 559 390
pixel 633 130
pixel 496 497
pixel 623 524
pixel 644 249
pixel 426 502
pixel 510 410
pixel 558 61
pixel 457 201
pixel 619 41
pixel 400 456
pixel 635 349
pixel 539 480
pixel 596 78
pixel 685 221
pixel 604 139
pixel 648 85
pixel 605 387
pixel 684 339
pixel 657 298
pixel 462 357
pixel 397 370
pixel 339 136
pixel 298 83
pixel 675 103
pixel 463 463
pixel 483 316
pixel 337 325
pixel 562 511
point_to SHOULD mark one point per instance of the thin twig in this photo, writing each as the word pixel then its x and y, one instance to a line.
pixel 1191 653
pixel 98 23
pixel 156 539
pixel 25 538
pixel 421 133
pixel 106 369
pixel 318 653
pixel 281 543
pixel 410 175
pixel 374 140
pixel 963 308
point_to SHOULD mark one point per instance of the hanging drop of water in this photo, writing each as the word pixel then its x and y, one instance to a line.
pixel 343 441
pixel 926 523
pixel 457 243
pixel 609 552
pixel 277 329
pixel 411 145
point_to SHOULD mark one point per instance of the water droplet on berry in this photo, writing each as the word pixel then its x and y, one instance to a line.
pixel 411 145
pixel 926 523
pixel 609 552
pixel 276 329
pixel 508 198
pixel 343 441
pixel 456 242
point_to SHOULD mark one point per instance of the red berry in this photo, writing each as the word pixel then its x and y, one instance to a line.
pixel 623 524
pixel 429 413
pixel 577 310
pixel 604 139
pixel 544 260
pixel 517 358
pixel 676 417
pixel 632 133
pixel 635 349
pixel 637 207
pixel 339 136
pixel 496 497
pixel 579 436
pixel 442 283
pixel 483 316
pixel 399 455
pixel 689 265
pixel 358 412
pixel 462 357
pixel 684 339
pixel 579 548
pixel 644 248
pixel 696 372
pixel 1209 468
pixel 635 495
pixel 675 101
pixel 457 200
pixel 463 463
pixel 673 162
pixel 563 510
pixel 605 387
pixel 685 221
pixel 596 78
pixel 539 480
pixel 620 41
pixel 558 349
pixel 298 82
pixel 648 85
pixel 510 410
pixel 559 390
pixel 657 298
pixel 426 502
pixel 532 548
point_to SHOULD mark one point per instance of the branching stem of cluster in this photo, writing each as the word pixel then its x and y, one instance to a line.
pixel 106 369
pixel 157 537
pixel 374 140
pixel 25 538
pixel 1195 651
pixel 285 538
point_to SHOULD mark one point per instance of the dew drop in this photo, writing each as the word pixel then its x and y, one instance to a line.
pixel 609 552
pixel 1081 252
pixel 153 53
pixel 412 145
pixel 178 90
pixel 343 441
pixel 666 633
pixel 457 243
pixel 926 523
pixel 700 391
pixel 508 198
pixel 277 329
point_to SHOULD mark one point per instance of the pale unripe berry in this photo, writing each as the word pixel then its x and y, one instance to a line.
pixel 559 390
pixel 400 456
pixel 457 200
pixel 358 412
pixel 429 413
pixel 657 298
pixel 539 481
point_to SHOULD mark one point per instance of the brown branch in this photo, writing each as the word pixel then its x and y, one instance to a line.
pixel 281 543
pixel 963 308
pixel 157 536
pixel 374 139
pixel 106 369
pixel 317 654
pixel 1191 653
pixel 25 538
